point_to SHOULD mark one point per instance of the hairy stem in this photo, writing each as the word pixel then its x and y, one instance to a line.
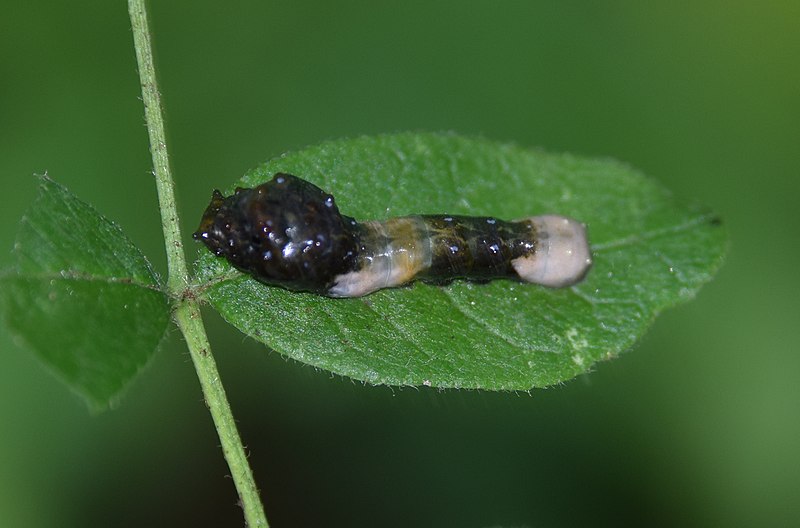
pixel 187 310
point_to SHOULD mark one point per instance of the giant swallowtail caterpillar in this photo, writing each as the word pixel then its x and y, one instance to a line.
pixel 288 232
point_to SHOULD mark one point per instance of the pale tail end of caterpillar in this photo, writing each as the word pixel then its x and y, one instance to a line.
pixel 288 232
pixel 562 257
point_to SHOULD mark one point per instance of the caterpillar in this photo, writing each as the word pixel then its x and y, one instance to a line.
pixel 288 232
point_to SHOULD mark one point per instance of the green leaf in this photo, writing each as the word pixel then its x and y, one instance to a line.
pixel 82 296
pixel 649 253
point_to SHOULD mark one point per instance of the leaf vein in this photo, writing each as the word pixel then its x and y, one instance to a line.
pixel 649 235
pixel 491 329
pixel 78 276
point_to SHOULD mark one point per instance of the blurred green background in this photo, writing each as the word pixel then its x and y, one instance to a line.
pixel 698 426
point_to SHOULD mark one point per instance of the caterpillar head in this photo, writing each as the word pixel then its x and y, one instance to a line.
pixel 286 232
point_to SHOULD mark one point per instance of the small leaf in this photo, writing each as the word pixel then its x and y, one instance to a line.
pixel 82 296
pixel 649 254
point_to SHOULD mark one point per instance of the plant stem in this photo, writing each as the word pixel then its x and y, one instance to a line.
pixel 187 309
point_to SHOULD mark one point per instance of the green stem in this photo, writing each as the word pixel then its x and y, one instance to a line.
pixel 187 309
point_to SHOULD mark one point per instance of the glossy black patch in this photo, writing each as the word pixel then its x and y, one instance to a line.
pixel 286 232
pixel 475 247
